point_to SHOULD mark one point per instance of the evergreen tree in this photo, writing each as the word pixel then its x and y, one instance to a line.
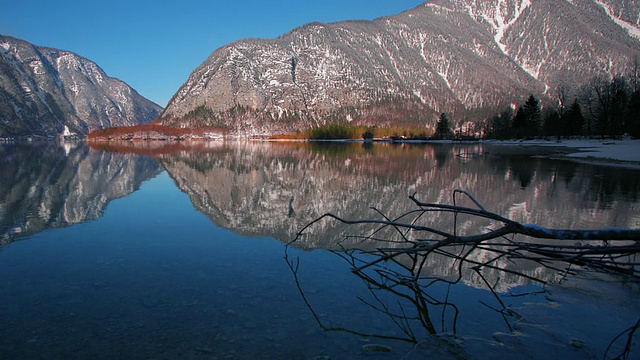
pixel 553 124
pixel 575 120
pixel 528 119
pixel 499 126
pixel 443 128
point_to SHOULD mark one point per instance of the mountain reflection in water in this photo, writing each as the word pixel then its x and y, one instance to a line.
pixel 262 189
pixel 51 185
pixel 275 189
pixel 177 286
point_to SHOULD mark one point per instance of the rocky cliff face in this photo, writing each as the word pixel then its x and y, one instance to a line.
pixel 465 57
pixel 51 92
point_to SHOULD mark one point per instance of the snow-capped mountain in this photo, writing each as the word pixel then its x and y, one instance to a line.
pixel 51 92
pixel 468 58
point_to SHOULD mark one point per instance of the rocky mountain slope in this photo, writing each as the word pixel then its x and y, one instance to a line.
pixel 468 58
pixel 51 92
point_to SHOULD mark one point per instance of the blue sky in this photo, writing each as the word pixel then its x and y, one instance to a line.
pixel 153 45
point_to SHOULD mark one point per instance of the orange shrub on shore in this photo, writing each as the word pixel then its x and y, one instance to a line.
pixel 152 132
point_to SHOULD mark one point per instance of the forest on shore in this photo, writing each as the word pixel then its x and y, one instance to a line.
pixel 602 108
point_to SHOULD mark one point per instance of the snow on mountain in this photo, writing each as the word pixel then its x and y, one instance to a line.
pixel 630 26
pixel 468 58
pixel 44 91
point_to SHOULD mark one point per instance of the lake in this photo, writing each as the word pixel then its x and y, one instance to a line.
pixel 177 251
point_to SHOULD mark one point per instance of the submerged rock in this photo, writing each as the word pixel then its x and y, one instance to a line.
pixel 579 344
pixel 373 348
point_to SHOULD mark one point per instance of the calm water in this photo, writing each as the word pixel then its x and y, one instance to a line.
pixel 177 252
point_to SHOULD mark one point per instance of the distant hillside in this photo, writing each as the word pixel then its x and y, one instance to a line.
pixel 469 58
pixel 50 92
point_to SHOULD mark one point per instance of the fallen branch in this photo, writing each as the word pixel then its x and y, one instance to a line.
pixel 615 243
pixel 397 262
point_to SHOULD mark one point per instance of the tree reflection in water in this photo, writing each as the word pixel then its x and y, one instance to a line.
pixel 394 262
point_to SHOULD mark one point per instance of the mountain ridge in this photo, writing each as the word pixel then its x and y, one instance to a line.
pixel 465 57
pixel 52 92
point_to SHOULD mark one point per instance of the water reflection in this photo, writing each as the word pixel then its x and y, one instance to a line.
pixel 275 189
pixel 49 185
pixel 445 320
pixel 408 302
pixel 265 189
pixel 169 284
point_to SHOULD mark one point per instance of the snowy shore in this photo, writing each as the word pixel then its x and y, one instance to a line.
pixel 615 151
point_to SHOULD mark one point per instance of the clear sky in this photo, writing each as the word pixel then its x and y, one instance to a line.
pixel 153 45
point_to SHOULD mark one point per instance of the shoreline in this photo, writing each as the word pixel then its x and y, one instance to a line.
pixel 620 153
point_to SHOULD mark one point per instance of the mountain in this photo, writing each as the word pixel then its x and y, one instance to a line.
pixel 51 92
pixel 469 58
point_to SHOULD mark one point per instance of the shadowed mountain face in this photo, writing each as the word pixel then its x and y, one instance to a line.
pixel 50 186
pixel 466 57
pixel 51 92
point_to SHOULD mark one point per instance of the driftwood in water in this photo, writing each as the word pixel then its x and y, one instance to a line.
pixel 398 261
